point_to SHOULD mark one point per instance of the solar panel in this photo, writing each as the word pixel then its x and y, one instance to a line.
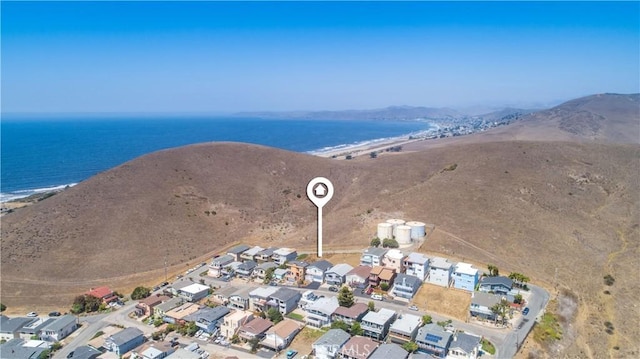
pixel 433 338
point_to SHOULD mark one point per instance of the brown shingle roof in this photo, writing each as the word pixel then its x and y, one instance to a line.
pixel 257 326
pixel 354 312
pixel 387 274
pixel 359 347
pixel 285 328
pixel 376 270
pixel 361 271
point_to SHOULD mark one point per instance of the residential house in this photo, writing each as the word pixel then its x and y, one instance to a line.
pixel 208 319
pixel 230 269
pixel 405 286
pixel 376 324
pixel 283 255
pixel 387 351
pixel 18 348
pixel 337 274
pixel 498 285
pixel 296 271
pixel 260 271
pixel 372 256
pixel 222 295
pixel 155 350
pixel 379 275
pixel 432 339
pixel 160 310
pixel 284 299
pixel 481 304
pixel 329 344
pixel 124 340
pixel 232 322
pixel 319 312
pixel 358 348
pixel 236 251
pixel 59 329
pixel 145 306
pixel 393 260
pixel 259 297
pixel 417 265
pixel 440 270
pixel 307 298
pixel 245 269
pixel 218 264
pixel 33 328
pixel 10 328
pixel 182 353
pixel 86 352
pixel 281 335
pixel 464 346
pixel 358 277
pixel 355 313
pixel 105 293
pixel 194 292
pixel 178 314
pixel 251 253
pixel 254 329
pixel 405 328
pixel 240 299
pixel 315 271
pixel 465 277
pixel 265 254
pixel 279 274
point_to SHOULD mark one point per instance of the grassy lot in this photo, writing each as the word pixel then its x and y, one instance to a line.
pixel 447 301
pixel 488 347
pixel 305 339
pixel 352 259
pixel 547 329
pixel 296 316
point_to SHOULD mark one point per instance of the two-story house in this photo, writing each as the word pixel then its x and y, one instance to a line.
pixel 337 274
pixel 405 286
pixel 481 304
pixel 498 285
pixel 259 297
pixel 160 310
pixel 194 292
pixel 379 275
pixel 319 312
pixel 393 260
pixel 245 270
pixel 358 348
pixel 281 335
pixel 124 340
pixel 372 256
pixel 433 340
pixel 376 324
pixel 233 321
pixel 284 299
pixel 464 346
pixel 350 315
pixel 387 351
pixel 251 253
pixel 34 328
pixel 218 264
pixel 265 255
pixel 255 329
pixel 296 271
pixel 208 319
pixel 236 251
pixel 417 265
pixel 145 306
pixel 59 329
pixel 221 296
pixel 405 328
pixel 239 299
pixel 358 277
pixel 104 293
pixel 329 344
pixel 316 270
pixel 440 270
pixel 261 269
pixel 282 255
pixel 465 277
pixel 178 314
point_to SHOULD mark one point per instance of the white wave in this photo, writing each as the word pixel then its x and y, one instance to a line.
pixel 12 196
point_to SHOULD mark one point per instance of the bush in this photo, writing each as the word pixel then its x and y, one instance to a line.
pixel 375 242
pixel 274 315
pixel 384 286
pixel 2 307
pixel 609 280
pixel 410 347
pixel 390 243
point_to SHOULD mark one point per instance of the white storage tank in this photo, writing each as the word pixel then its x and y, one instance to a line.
pixel 417 229
pixel 395 222
pixel 403 234
pixel 385 230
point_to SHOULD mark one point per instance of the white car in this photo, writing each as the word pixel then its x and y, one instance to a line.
pixel 413 307
pixel 32 314
pixel 376 296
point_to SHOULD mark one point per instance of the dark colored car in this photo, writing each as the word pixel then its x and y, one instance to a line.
pixel 54 314
pixel 333 289
pixel 525 311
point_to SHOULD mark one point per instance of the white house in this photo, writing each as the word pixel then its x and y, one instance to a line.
pixel 440 270
pixel 315 271
pixel 337 274
pixel 59 329
pixel 319 312
pixel 329 344
pixel 233 321
pixel 464 346
pixel 417 265
pixel 281 335
pixel 393 260
pixel 194 292
pixel 218 264
pixel 372 256
pixel 358 277
pixel 282 255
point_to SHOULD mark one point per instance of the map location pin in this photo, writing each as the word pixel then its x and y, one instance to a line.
pixel 319 191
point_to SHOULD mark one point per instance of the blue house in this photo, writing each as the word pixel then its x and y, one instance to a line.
pixel 124 340
pixel 465 277
pixel 497 285
pixel 432 339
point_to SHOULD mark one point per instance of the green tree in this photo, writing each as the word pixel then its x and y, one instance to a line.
pixel 390 243
pixel 45 354
pixel 2 307
pixel 268 275
pixel 500 310
pixel 345 297
pixel 426 319
pixel 375 242
pixel 517 299
pixel 356 329
pixel 158 322
pixel 493 270
pixel 410 347
pixel 274 315
pixel 339 324
pixel 91 304
pixel 140 293
pixel 384 286
pixel 372 306
pixel 254 342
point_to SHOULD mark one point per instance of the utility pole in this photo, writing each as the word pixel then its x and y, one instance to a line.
pixel 165 265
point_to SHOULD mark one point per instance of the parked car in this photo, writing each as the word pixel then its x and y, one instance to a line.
pixel 376 296
pixel 273 284
pixel 525 311
pixel 333 289
pixel 54 314
pixel 413 307
pixel 369 290
pixel 32 314
pixel 291 353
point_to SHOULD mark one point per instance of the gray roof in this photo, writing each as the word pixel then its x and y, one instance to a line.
pixel 238 249
pixel 227 258
pixel 13 349
pixel 267 252
pixel 439 262
pixel 242 292
pixel 341 269
pixel 377 251
pixel 497 281
pixel 434 334
pixel 299 264
pixel 85 352
pixel 333 337
pixel 170 304
pixel 35 327
pixel 247 265
pixel 323 265
pixel 407 280
pixel 485 299
pixel 61 323
pixel 13 324
pixel 406 324
pixel 465 342
pixel 266 265
pixel 415 257
pixel 226 291
pixel 284 294
pixel 380 317
pixel 386 351
pixel 207 314
pixel 126 335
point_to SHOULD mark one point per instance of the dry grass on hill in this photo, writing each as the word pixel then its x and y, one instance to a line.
pixel 446 301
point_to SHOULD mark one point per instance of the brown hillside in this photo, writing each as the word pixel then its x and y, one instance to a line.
pixel 535 207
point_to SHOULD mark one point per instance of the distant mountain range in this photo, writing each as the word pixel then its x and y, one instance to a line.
pixel 388 113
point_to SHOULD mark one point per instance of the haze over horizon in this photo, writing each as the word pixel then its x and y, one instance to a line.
pixel 229 57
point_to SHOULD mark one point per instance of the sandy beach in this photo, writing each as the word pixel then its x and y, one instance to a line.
pixel 367 148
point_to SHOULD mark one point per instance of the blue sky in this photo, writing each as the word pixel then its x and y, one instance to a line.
pixel 238 56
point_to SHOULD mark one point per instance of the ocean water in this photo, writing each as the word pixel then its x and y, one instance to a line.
pixel 39 154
